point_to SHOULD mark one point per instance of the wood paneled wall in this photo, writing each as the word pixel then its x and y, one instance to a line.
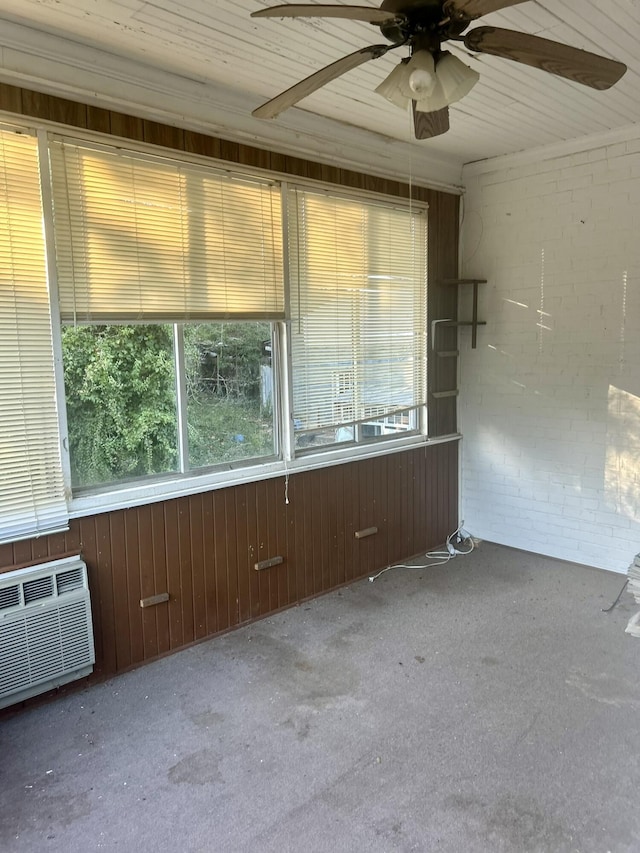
pixel 202 549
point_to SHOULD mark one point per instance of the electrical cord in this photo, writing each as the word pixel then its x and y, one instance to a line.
pixel 460 536
pixel 609 609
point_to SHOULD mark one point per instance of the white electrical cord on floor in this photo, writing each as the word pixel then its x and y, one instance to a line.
pixel 459 535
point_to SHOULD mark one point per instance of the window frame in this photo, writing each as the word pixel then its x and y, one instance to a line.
pixel 183 468
pixel 420 411
pixel 287 459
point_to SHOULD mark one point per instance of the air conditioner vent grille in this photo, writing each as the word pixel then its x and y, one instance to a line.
pixel 76 648
pixel 9 596
pixel 69 580
pixel 46 633
pixel 14 652
pixel 38 589
pixel 45 653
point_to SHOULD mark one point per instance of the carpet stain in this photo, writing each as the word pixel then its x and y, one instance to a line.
pixel 316 682
pixel 344 638
pixel 391 831
pixel 46 812
pixel 300 723
pixel 605 689
pixel 199 768
pixel 512 823
pixel 207 719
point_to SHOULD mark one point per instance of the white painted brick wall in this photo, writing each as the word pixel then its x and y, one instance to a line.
pixel 550 399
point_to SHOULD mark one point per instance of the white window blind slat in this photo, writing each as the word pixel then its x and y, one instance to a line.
pixel 32 498
pixel 358 306
pixel 139 239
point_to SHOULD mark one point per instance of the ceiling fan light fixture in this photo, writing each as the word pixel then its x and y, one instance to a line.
pixel 455 78
pixel 437 100
pixel 419 77
pixel 390 86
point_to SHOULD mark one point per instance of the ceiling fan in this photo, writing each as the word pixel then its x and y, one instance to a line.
pixel 431 78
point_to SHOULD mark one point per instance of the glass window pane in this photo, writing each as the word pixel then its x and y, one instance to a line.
pixel 358 305
pixel 389 424
pixel 121 402
pixel 322 437
pixel 230 392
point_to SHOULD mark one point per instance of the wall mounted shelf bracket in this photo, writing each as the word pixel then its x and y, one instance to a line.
pixel 473 322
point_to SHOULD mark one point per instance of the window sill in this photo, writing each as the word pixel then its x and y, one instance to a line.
pixel 138 494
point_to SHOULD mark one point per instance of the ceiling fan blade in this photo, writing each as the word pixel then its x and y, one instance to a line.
pixel 471 9
pixel 353 13
pixel 310 84
pixel 428 125
pixel 590 69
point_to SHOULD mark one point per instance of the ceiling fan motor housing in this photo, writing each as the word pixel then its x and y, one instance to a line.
pixel 426 22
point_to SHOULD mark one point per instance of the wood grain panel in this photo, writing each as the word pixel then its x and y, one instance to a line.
pixel 197 559
pixel 443 304
pixel 185 544
pixel 255 583
pixel 168 136
pixel 98 119
pixel 255 157
pixel 129 127
pixel 159 545
pixel 120 580
pixel 147 580
pixel 54 109
pixel 209 565
pixel 174 606
pixel 134 590
pixel 202 549
pixel 224 598
pixel 205 146
pixel 23 552
pixel 11 98
pixel 104 564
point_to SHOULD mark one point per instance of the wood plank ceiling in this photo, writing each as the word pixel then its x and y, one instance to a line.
pixel 216 43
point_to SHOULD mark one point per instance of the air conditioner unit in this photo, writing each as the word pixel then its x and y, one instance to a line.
pixel 46 632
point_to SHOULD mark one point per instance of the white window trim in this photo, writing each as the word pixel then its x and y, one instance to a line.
pixel 165 489
pixel 54 311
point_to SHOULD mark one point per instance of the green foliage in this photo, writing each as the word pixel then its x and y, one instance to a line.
pixel 225 358
pixel 121 400
pixel 225 419
pixel 227 431
pixel 121 410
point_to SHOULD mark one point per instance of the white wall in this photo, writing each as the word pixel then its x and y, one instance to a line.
pixel 550 399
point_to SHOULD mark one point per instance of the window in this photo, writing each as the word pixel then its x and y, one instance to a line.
pixel 229 392
pixel 183 354
pixel 144 239
pixel 153 399
pixel 164 244
pixel 32 498
pixel 358 294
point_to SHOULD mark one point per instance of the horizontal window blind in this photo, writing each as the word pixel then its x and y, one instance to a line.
pixel 144 239
pixel 32 499
pixel 358 307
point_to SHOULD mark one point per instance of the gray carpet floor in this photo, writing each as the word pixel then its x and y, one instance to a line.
pixel 484 705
